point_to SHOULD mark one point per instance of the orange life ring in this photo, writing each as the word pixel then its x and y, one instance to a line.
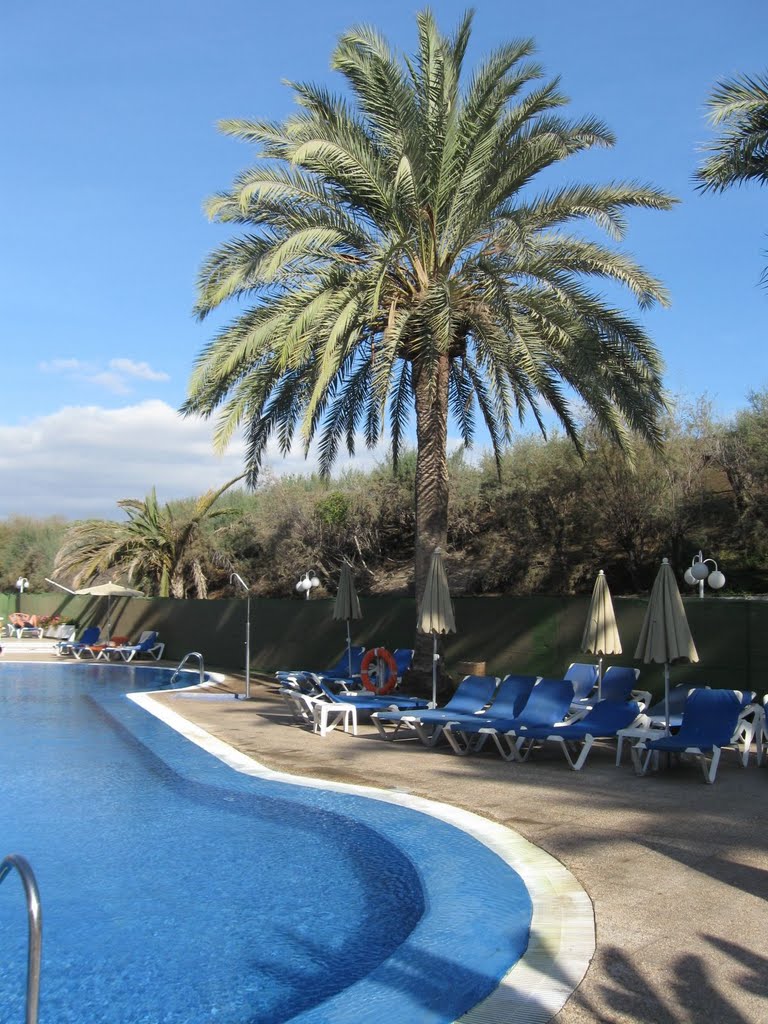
pixel 379 654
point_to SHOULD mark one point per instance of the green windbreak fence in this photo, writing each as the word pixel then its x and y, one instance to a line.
pixel 8 604
pixel 511 634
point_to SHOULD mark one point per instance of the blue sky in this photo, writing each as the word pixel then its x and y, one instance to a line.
pixel 110 148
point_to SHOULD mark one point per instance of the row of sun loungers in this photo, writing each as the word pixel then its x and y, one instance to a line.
pixel 119 648
pixel 519 714
pixel 524 712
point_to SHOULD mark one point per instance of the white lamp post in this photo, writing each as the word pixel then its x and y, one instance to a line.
pixel 307 583
pixel 699 571
pixel 22 584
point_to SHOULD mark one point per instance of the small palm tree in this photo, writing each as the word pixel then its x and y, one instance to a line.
pixel 739 108
pixel 394 257
pixel 152 544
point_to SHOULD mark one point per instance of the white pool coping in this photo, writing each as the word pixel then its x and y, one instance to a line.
pixel 562 937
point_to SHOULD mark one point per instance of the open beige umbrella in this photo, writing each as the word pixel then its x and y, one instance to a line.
pixel 347 606
pixel 665 636
pixel 109 590
pixel 436 610
pixel 601 634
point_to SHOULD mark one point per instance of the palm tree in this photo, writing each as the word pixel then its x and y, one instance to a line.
pixel 394 257
pixel 739 107
pixel 153 544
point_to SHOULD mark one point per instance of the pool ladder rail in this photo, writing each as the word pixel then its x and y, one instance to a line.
pixel 182 663
pixel 35 928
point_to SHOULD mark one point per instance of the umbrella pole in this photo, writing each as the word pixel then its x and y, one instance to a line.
pixel 600 678
pixel 666 698
pixel 434 670
pixel 349 649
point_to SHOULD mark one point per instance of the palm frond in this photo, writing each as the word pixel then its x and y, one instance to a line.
pixel 739 107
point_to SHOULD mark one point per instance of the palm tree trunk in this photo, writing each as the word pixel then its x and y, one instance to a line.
pixel 431 488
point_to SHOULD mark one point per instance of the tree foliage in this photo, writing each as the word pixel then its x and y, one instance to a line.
pixel 156 546
pixel 738 109
pixel 545 527
pixel 28 548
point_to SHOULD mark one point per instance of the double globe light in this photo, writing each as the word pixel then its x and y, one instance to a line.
pixel 700 571
pixel 308 582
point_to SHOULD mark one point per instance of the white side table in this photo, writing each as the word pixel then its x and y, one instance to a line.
pixel 643 732
pixel 328 716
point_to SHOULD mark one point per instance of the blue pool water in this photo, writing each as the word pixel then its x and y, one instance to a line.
pixel 178 891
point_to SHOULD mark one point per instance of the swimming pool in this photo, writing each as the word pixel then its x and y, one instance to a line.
pixel 177 890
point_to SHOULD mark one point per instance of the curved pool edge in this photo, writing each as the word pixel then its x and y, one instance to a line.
pixel 562 936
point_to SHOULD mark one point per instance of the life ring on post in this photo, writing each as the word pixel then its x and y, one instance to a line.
pixel 381 656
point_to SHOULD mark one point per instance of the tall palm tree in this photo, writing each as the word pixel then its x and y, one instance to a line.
pixel 153 544
pixel 395 257
pixel 739 107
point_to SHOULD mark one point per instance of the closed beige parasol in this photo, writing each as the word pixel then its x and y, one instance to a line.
pixel 347 605
pixel 601 634
pixel 665 637
pixel 436 610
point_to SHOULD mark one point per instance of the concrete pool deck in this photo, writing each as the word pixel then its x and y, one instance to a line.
pixel 677 870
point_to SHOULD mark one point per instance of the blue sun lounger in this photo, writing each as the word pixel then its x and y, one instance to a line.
pixel 148 644
pixel 548 703
pixel 508 702
pixel 651 725
pixel 471 696
pixel 678 695
pixel 618 683
pixel 584 679
pixel 344 683
pixel 338 671
pixel 89 636
pixel 366 701
pixel 709 722
pixel 602 721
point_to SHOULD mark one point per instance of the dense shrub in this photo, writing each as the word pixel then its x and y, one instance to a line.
pixel 544 521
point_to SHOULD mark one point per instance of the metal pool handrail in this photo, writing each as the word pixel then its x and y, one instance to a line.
pixel 35 919
pixel 182 663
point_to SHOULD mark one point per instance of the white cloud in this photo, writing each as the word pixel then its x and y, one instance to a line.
pixel 108 381
pixel 72 366
pixel 79 461
pixel 118 377
pixel 133 369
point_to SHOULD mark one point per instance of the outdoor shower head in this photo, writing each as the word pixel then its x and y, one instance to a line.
pixel 240 580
